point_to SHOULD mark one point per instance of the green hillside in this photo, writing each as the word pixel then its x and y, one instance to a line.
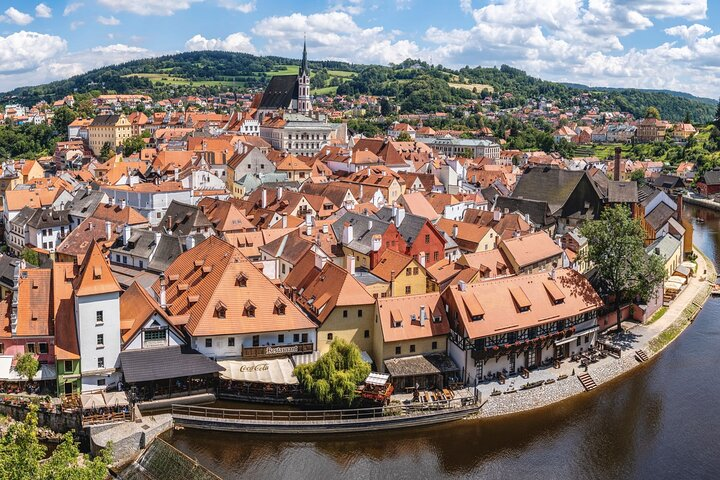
pixel 414 85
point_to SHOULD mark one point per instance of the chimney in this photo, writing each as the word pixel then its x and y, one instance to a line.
pixel 320 262
pixel 112 201
pixel 361 192
pixel 308 220
pixel 126 234
pixel 279 193
pixel 616 170
pixel 123 203
pixel 422 258
pixel 158 235
pixel 263 198
pixel 163 300
pixel 350 264
pixel 455 231
pixel 400 216
pixel 370 225
pixel 423 315
pixel 376 243
pixel 91 227
pixel 169 222
pixel 347 233
pixel 679 207
pixel 462 286
pixel 497 215
pixel 108 230
pixel 284 220
pixel 393 211
pixel 189 242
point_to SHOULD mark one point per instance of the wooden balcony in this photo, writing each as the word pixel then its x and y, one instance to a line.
pixel 269 351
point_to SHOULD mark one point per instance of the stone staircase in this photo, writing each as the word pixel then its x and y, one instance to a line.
pixel 641 356
pixel 587 381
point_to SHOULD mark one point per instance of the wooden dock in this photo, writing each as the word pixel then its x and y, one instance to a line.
pixel 324 421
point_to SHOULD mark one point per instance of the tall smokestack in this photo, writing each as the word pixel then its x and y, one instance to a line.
pixel 616 170
pixel 679 207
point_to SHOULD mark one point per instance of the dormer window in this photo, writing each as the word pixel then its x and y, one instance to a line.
pixel 280 307
pixel 182 287
pixel 220 310
pixel 241 280
pixel 249 309
pixel 193 299
pixel 97 273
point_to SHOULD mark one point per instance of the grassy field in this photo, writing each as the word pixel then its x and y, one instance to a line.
pixel 243 80
pixel 473 87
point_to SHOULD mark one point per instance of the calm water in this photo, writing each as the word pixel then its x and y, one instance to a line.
pixel 660 421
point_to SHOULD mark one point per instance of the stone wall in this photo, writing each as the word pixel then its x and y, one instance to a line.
pixel 57 422
pixel 129 438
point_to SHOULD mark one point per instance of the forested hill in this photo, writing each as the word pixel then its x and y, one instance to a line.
pixel 415 85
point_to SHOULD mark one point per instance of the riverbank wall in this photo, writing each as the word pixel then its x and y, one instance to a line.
pixel 702 202
pixel 56 421
pixel 656 337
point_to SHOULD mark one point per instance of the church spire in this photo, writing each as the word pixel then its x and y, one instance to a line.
pixel 304 65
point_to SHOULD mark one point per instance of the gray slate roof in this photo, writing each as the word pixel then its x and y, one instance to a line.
pixel 659 216
pixel 84 203
pixel 664 246
pixel 711 177
pixel 362 232
pixel 280 92
pixel 551 185
pixel 622 192
pixel 410 226
pixel 161 363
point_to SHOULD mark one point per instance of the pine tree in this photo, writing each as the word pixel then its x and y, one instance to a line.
pixel 717 116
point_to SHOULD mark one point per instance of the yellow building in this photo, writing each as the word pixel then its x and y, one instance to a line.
pixel 412 334
pixel 405 274
pixel 337 302
pixel 111 129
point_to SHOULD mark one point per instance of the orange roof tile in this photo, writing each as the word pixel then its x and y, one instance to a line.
pixel 397 313
pixel 95 276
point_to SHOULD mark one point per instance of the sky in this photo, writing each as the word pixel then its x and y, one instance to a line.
pixel 670 44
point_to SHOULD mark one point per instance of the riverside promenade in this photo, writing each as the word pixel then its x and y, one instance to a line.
pixel 651 338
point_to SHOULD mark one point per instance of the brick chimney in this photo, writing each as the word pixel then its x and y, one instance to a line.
pixel 679 212
pixel 616 169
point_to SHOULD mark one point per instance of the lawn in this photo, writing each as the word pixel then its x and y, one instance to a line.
pixel 473 87
pixel 657 315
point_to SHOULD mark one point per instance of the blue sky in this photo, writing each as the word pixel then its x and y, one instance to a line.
pixel 671 44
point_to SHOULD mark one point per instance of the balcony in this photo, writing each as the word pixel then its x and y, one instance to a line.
pixel 270 351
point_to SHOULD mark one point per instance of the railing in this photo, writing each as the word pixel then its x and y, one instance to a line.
pixel 323 415
pixel 268 351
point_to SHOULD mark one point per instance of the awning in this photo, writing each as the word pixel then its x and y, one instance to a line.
pixel 115 399
pixel 164 363
pixel 416 365
pixel 8 373
pixel 587 331
pixel 92 400
pixel 377 379
pixel 277 371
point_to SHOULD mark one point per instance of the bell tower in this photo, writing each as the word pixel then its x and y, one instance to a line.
pixel 304 105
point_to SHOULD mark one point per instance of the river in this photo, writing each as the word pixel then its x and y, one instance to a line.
pixel 658 421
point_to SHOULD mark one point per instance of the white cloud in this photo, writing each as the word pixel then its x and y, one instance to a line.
pixel 58 63
pixel 149 7
pixel 353 7
pixel 333 36
pixel 236 42
pixel 238 6
pixel 24 51
pixel 583 41
pixel 71 7
pixel 77 24
pixel 688 33
pixel 403 4
pixel 43 11
pixel 14 15
pixel 111 21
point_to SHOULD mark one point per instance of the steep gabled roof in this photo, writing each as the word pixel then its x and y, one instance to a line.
pixel 280 92
pixel 95 276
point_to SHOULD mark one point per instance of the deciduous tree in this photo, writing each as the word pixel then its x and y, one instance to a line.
pixel 616 248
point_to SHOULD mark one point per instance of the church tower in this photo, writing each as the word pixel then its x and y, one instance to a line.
pixel 304 105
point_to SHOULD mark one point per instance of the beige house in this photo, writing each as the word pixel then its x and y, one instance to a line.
pixel 111 129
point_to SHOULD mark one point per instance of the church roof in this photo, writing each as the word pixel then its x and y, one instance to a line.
pixel 280 92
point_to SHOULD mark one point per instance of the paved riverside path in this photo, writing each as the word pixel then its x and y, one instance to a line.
pixel 635 337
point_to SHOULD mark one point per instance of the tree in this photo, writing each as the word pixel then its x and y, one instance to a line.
pixel 652 112
pixel 638 175
pixel 21 453
pixel 30 256
pixel 616 248
pixel 717 116
pixel 26 365
pixel 385 107
pixel 334 378
pixel 132 145
pixel 106 152
pixel 63 117
pixel 404 137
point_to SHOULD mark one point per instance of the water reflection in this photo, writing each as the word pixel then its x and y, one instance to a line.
pixel 658 421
